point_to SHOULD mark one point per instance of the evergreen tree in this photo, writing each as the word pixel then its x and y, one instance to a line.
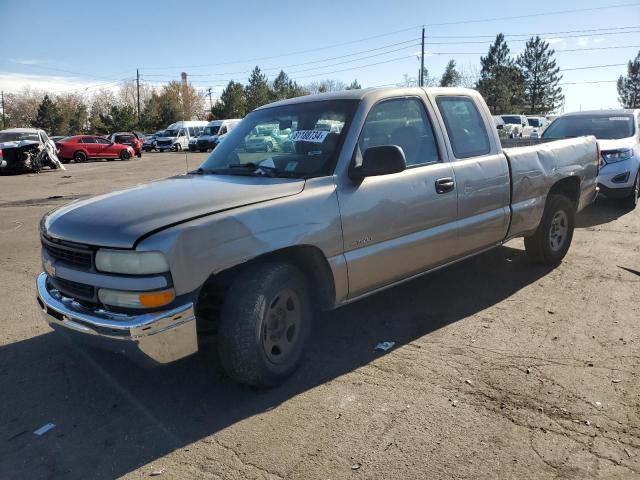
pixel 280 88
pixel 78 123
pixel 629 87
pixel 48 116
pixel 501 83
pixel 232 102
pixel 542 93
pixel 257 92
pixel 120 118
pixel 451 76
pixel 354 86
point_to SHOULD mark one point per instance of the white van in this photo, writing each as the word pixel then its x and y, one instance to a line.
pixel 177 135
pixel 211 134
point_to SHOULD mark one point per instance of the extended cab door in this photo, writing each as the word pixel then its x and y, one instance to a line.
pixel 395 226
pixel 481 172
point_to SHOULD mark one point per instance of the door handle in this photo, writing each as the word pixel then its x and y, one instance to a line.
pixel 444 185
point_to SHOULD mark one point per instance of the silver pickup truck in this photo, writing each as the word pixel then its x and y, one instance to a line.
pixel 244 249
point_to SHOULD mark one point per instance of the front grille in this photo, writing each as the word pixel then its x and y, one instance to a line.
pixel 71 256
pixel 73 289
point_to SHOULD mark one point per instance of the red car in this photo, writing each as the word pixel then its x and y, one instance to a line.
pixel 81 148
pixel 129 138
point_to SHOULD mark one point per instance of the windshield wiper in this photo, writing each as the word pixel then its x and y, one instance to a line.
pixel 247 169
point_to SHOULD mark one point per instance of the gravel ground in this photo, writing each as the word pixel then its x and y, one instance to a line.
pixel 501 370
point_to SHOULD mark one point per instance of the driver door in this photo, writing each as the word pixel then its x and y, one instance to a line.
pixel 398 225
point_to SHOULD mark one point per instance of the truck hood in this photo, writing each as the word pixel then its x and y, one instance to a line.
pixel 629 142
pixel 120 218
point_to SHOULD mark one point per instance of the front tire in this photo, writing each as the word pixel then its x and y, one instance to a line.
pixel 125 155
pixel 552 239
pixel 631 201
pixel 265 323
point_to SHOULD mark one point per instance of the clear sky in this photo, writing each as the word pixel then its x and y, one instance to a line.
pixel 82 46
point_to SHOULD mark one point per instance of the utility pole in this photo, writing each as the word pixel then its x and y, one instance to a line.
pixel 4 121
pixel 210 101
pixel 422 61
pixel 138 85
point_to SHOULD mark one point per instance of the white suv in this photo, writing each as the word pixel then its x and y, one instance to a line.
pixel 618 135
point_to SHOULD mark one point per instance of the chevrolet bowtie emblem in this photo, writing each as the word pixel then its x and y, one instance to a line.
pixel 50 268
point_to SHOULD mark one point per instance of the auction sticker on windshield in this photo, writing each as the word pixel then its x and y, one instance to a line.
pixel 314 136
pixel 622 119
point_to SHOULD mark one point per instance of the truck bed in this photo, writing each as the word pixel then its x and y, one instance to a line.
pixel 536 167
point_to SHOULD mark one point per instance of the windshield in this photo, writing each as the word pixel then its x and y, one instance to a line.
pixel 603 127
pixel 211 130
pixel 534 122
pixel 18 136
pixel 291 141
pixel 170 133
pixel 511 119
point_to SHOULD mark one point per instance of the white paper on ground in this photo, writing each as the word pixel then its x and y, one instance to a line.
pixel 44 429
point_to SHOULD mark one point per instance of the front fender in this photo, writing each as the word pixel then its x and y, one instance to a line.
pixel 215 243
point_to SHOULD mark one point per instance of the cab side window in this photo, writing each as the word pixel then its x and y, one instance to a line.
pixel 466 129
pixel 402 122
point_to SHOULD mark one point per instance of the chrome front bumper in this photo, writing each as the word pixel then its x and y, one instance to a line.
pixel 150 338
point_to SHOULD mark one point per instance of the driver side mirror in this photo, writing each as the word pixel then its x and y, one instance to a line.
pixel 380 160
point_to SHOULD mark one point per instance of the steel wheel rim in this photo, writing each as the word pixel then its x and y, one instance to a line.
pixel 559 230
pixel 281 326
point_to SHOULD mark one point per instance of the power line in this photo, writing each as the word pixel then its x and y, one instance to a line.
pixel 526 39
pixel 556 51
pixel 593 81
pixel 593 66
pixel 459 22
pixel 589 30
pixel 413 44
pixel 530 15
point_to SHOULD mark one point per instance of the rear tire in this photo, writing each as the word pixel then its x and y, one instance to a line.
pixel 79 157
pixel 125 155
pixel 265 323
pixel 552 239
pixel 631 201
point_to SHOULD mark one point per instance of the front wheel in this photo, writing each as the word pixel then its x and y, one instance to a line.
pixel 265 323
pixel 552 239
pixel 125 155
pixel 631 201
pixel 178 147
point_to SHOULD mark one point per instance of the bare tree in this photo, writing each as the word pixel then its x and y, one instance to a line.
pixel 21 108
pixel 323 86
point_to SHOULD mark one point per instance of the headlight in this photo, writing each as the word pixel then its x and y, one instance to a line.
pixel 617 155
pixel 117 298
pixel 130 262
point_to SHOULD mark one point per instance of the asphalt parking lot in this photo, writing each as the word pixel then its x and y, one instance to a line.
pixel 501 370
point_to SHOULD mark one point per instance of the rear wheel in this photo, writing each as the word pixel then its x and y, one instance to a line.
pixel 265 323
pixel 631 201
pixel 552 239
pixel 79 157
pixel 125 155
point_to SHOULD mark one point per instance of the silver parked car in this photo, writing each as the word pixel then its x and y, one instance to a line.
pixel 251 243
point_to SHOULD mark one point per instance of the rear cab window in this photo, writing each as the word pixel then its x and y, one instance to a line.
pixel 465 127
